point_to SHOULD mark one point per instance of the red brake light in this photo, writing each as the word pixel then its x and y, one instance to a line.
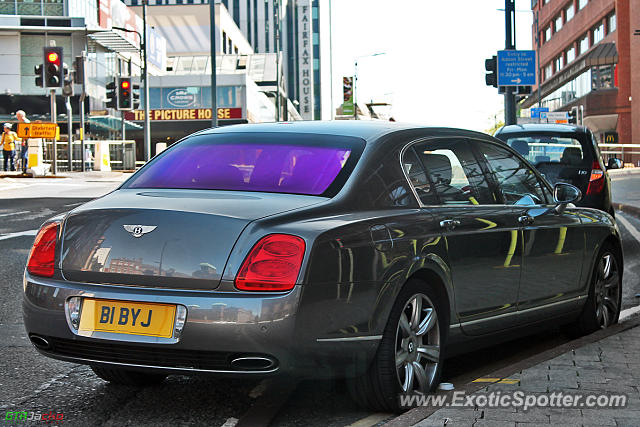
pixel 272 265
pixel 43 253
pixel 596 181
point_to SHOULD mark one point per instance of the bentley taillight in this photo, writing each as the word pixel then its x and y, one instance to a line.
pixel 272 265
pixel 43 253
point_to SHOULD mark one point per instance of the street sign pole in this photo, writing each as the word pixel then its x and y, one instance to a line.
pixel 145 64
pixel 54 115
pixel 510 44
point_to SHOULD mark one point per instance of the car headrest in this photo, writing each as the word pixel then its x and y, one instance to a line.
pixel 439 167
pixel 540 159
pixel 521 146
pixel 571 155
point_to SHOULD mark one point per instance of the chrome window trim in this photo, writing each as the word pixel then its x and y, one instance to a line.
pixel 469 138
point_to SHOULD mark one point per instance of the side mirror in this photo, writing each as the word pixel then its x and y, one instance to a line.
pixel 614 163
pixel 563 194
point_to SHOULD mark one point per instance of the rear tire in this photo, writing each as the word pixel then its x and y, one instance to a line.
pixel 602 307
pixel 409 357
pixel 127 377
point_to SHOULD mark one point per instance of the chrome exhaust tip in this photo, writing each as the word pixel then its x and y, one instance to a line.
pixel 40 342
pixel 253 363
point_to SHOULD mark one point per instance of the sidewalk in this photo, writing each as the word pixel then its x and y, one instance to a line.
pixel 610 365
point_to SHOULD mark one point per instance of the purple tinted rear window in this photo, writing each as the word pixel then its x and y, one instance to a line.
pixel 270 167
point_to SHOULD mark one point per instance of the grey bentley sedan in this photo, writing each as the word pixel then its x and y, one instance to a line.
pixel 365 250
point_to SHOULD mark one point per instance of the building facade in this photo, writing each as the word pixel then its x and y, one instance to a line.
pixel 296 34
pixel 590 59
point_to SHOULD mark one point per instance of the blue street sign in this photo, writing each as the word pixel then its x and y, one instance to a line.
pixel 535 111
pixel 516 68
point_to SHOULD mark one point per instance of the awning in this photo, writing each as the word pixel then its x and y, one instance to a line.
pixel 113 40
pixel 601 123
pixel 112 123
pixel 603 54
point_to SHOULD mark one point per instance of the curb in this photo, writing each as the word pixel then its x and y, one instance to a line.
pixel 628 209
pixel 415 415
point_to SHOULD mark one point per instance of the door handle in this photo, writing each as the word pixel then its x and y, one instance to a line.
pixel 449 224
pixel 526 220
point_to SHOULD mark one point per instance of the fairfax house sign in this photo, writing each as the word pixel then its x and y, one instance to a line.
pixel 305 60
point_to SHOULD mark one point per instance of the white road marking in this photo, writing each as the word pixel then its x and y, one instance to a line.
pixel 231 422
pixel 258 390
pixel 13 213
pixel 371 420
pixel 19 234
pixel 634 231
pixel 628 313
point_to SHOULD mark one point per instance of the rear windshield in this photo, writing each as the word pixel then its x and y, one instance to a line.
pixel 278 163
pixel 541 149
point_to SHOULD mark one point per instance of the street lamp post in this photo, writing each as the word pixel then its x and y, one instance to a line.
pixel 355 80
pixel 214 86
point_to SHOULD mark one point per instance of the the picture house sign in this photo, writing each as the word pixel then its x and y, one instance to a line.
pixel 305 59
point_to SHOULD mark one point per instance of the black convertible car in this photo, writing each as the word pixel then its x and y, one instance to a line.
pixel 362 250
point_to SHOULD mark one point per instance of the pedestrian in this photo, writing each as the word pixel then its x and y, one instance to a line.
pixel 8 142
pixel 88 157
pixel 24 146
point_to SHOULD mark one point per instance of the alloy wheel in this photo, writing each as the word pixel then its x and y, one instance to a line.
pixel 607 290
pixel 417 344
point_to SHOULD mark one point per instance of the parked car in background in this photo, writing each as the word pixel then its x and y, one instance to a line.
pixel 564 153
pixel 365 250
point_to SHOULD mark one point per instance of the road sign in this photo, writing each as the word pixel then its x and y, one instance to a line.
pixel 555 116
pixel 516 68
pixel 535 111
pixel 37 130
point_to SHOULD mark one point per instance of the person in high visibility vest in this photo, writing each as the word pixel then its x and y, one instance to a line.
pixel 8 141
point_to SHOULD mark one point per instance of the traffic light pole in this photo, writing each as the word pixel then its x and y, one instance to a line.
pixel 214 86
pixel 54 116
pixel 510 44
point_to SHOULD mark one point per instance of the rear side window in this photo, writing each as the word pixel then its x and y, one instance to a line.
pixel 279 163
pixel 541 149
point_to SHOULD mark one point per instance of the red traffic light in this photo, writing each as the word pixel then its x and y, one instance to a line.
pixel 52 57
pixel 125 84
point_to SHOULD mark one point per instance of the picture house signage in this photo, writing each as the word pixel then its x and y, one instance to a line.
pixel 305 60
pixel 185 114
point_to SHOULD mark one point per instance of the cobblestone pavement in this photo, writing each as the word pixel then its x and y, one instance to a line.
pixel 609 366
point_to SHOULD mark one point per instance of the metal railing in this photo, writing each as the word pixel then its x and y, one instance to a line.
pixel 122 155
pixel 618 150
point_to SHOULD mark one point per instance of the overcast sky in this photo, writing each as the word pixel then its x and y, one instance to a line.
pixel 433 69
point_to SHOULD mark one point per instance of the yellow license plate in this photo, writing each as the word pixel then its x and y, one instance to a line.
pixel 122 317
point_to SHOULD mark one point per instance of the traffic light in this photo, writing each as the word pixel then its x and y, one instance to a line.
pixel 573 115
pixel 125 94
pixel 112 94
pixel 136 96
pixel 53 68
pixel 491 65
pixel 38 70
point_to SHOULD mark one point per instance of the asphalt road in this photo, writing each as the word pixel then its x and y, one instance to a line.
pixel 30 382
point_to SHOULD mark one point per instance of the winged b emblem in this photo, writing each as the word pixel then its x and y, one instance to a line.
pixel 139 230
